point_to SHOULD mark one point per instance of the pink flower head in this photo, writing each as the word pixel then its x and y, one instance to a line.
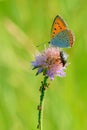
pixel 51 62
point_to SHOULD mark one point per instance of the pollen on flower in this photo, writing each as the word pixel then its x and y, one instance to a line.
pixel 50 62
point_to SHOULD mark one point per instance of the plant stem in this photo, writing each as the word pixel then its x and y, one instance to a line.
pixel 42 89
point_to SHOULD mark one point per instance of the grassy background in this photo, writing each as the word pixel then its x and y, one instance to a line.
pixel 23 25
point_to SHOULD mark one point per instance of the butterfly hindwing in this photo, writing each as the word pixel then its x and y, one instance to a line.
pixel 57 26
pixel 63 39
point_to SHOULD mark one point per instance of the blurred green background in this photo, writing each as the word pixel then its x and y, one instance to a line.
pixel 24 24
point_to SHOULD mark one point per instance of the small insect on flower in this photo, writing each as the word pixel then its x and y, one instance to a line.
pixel 51 62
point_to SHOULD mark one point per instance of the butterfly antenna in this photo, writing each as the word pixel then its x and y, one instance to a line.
pixel 44 43
pixel 38 45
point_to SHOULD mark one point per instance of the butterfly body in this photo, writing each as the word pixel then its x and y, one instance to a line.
pixel 60 35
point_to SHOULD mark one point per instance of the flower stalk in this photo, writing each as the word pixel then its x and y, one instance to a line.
pixel 42 89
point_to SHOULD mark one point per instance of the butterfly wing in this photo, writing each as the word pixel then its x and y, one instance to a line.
pixel 57 26
pixel 63 39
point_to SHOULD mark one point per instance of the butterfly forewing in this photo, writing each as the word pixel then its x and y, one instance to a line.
pixel 57 26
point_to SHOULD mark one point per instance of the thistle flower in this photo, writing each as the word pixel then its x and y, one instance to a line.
pixel 51 62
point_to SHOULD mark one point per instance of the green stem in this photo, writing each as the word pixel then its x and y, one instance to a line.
pixel 43 87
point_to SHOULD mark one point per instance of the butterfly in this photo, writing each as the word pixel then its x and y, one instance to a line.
pixel 61 36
